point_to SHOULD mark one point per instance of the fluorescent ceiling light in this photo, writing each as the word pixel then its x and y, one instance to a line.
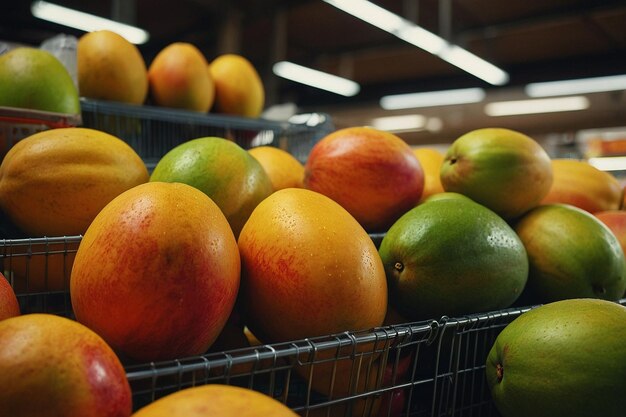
pixel 85 21
pixel 399 123
pixel 422 38
pixel 469 62
pixel 610 163
pixel 546 105
pixel 315 78
pixel 433 98
pixel 580 86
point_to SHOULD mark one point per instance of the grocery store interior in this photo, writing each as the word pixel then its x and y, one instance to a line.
pixel 165 273
pixel 526 42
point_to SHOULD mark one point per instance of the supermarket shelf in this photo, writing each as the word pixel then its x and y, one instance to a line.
pixel 152 131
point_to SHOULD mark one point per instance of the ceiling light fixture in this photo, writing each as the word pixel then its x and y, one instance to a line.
pixel 579 86
pixel 545 105
pixel 609 163
pixel 422 38
pixel 399 123
pixel 315 78
pixel 432 98
pixel 85 21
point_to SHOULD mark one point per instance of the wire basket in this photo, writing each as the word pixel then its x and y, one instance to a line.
pixel 153 131
pixel 17 123
pixel 432 368
pixel 39 269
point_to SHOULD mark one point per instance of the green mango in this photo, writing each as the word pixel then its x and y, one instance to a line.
pixel 34 79
pixel 562 359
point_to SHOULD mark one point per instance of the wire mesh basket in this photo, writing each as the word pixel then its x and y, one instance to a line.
pixel 432 368
pixel 153 131
pixel 39 269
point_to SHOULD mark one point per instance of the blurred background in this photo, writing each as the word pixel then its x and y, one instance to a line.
pixel 489 52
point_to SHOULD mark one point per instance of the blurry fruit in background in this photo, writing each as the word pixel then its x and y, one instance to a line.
pixel 582 185
pixel 284 170
pixel 561 359
pixel 111 68
pixel 431 160
pixel 32 78
pixel 221 169
pixel 239 90
pixel 373 174
pixel 308 269
pixel 9 307
pixel 452 257
pixel 179 78
pixel 157 272
pixel 502 169
pixel 616 221
pixel 572 254
pixel 54 366
pixel 48 268
pixel 215 400
pixel 53 183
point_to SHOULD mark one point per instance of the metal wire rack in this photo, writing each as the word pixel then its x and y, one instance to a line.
pixel 431 368
pixel 153 131
pixel 39 269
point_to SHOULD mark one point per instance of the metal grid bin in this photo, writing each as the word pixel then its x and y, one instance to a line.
pixel 153 131
pixel 424 369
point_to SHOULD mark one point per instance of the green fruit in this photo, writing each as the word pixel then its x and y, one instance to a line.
pixel 450 257
pixel 34 79
pixel 444 196
pixel 502 169
pixel 224 171
pixel 564 359
pixel 571 254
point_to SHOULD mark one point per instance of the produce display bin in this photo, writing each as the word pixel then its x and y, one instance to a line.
pixel 17 123
pixel 152 131
pixel 431 368
pixel 38 269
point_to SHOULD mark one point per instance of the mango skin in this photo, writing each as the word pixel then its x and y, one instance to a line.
pixel 51 366
pixel 582 185
pixel 215 400
pixel 157 272
pixel 55 182
pixel 34 79
pixel 501 169
pixel 571 254
pixel 221 169
pixel 452 256
pixel 372 173
pixel 564 359
pixel 111 68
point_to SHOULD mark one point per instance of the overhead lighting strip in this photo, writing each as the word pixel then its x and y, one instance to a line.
pixel 422 38
pixel 432 99
pixel 578 86
pixel 545 105
pixel 315 78
pixel 85 21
